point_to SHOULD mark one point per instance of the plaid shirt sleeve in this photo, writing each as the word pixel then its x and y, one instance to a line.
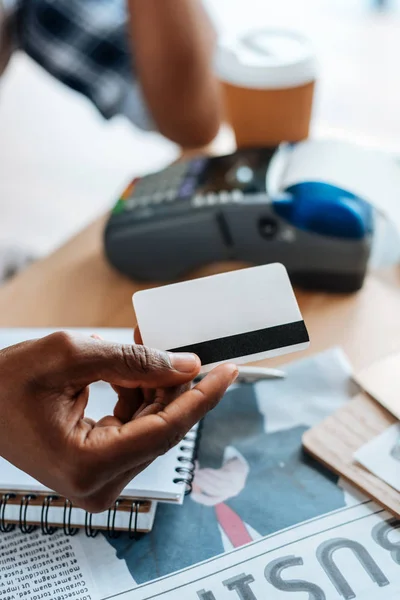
pixel 85 44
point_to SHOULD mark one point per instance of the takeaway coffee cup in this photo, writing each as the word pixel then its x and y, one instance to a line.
pixel 268 83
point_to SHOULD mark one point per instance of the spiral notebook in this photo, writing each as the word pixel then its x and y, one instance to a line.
pixel 167 479
pixel 49 512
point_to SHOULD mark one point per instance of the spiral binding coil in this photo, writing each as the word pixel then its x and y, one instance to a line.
pixel 46 529
pixel 5 527
pixel 133 520
pixel 189 450
pixel 90 532
pixel 112 514
pixel 23 525
pixel 68 530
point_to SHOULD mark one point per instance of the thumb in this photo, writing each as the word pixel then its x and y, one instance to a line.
pixel 85 360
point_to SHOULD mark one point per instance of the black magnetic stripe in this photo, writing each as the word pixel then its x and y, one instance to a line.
pixel 251 342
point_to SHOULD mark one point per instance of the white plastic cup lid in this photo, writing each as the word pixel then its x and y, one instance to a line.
pixel 266 59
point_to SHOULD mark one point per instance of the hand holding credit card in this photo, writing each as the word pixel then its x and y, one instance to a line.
pixel 241 316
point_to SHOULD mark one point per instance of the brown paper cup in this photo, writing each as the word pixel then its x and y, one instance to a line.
pixel 268 117
pixel 268 80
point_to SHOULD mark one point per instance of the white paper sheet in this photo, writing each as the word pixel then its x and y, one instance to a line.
pixel 381 456
pixel 368 174
pixel 381 380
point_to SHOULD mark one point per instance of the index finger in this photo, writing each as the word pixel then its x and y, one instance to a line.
pixel 144 439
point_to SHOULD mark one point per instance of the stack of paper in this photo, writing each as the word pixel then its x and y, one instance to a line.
pixel 381 456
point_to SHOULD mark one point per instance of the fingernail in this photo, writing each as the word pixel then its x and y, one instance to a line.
pixel 183 362
pixel 235 373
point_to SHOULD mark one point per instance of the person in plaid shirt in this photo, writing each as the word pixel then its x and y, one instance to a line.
pixel 150 60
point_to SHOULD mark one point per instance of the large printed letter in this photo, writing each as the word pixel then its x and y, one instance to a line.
pixel 325 554
pixel 203 595
pixel 273 574
pixel 380 534
pixel 241 585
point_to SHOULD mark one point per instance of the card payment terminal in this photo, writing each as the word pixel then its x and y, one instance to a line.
pixel 215 209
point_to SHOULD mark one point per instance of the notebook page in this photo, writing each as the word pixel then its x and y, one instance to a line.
pixel 154 483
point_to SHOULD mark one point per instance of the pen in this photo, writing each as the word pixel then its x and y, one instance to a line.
pixel 252 375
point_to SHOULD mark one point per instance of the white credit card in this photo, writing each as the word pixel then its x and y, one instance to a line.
pixel 239 317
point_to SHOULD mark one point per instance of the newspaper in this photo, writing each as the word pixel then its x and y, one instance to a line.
pixel 37 567
pixel 351 553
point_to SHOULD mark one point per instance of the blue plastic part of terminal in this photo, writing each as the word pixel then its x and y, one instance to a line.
pixel 326 210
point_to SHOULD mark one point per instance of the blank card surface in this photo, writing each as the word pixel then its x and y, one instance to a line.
pixel 241 316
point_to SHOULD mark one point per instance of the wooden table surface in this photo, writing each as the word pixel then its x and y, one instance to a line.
pixel 75 287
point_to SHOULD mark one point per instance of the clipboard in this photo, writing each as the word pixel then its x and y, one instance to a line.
pixel 335 440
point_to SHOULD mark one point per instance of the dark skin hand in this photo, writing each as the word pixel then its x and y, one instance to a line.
pixel 44 393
